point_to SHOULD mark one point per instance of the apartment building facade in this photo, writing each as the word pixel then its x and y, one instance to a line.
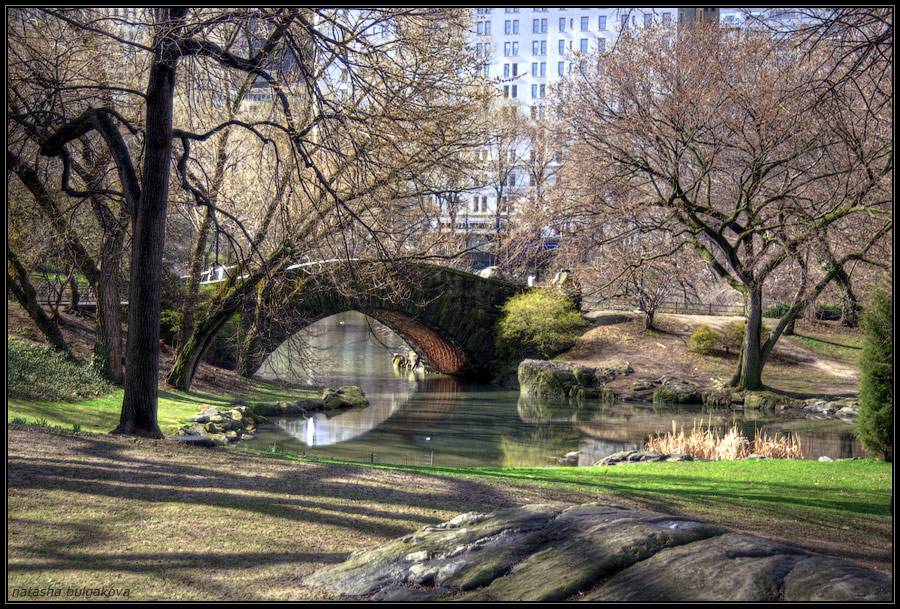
pixel 525 51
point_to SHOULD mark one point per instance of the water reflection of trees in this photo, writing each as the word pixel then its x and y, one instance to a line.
pixel 538 445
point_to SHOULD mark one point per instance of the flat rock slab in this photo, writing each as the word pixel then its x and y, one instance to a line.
pixel 593 552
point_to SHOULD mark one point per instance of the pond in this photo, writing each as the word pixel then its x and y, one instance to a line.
pixel 433 419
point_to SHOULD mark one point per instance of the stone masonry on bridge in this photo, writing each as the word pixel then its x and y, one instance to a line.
pixel 447 316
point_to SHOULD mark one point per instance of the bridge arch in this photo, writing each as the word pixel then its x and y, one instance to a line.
pixel 447 316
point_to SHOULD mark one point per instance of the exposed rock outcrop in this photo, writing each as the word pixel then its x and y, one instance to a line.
pixel 561 379
pixel 593 552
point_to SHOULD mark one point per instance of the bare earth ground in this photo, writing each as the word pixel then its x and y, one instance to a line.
pixel 616 338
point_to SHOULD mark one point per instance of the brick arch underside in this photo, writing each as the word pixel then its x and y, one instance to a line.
pixel 446 357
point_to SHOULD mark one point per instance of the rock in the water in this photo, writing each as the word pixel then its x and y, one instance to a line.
pixel 594 552
pixel 560 379
pixel 344 397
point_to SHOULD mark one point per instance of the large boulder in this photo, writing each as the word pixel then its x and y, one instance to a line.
pixel 561 379
pixel 673 390
pixel 593 552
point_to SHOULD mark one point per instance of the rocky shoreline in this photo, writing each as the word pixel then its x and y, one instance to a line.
pixel 564 380
pixel 221 426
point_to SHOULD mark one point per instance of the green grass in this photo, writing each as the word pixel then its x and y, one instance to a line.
pixel 843 488
pixel 47 389
pixel 100 415
pixel 844 348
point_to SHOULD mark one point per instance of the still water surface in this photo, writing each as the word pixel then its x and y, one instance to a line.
pixel 425 419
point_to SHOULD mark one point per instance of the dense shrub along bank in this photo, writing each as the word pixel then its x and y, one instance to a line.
pixel 35 372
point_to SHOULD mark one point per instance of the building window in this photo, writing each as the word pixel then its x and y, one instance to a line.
pixel 543 26
pixel 667 18
pixel 601 44
pixel 562 24
pixel 534 69
pixel 584 24
pixel 543 69
pixel 515 26
pixel 506 70
pixel 479 49
pixel 601 22
pixel 648 20
pixel 514 91
pixel 507 27
pixel 506 49
pixel 515 70
pixel 561 68
pixel 583 44
pixel 534 91
pixel 624 22
pixel 543 47
pixel 515 48
pixel 562 47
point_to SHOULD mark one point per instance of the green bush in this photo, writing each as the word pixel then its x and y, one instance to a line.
pixel 35 372
pixel 541 322
pixel 874 425
pixel 732 336
pixel 703 340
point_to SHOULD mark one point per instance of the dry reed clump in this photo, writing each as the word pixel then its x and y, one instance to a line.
pixel 707 444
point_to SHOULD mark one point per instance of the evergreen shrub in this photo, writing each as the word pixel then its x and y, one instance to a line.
pixel 874 425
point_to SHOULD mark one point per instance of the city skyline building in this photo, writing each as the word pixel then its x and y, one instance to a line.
pixel 525 51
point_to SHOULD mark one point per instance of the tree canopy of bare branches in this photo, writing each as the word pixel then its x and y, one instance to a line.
pixel 722 140
pixel 354 112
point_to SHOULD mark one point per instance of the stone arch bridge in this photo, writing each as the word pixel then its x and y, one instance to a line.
pixel 447 316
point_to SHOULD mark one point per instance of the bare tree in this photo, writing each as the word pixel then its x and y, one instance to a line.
pixel 713 131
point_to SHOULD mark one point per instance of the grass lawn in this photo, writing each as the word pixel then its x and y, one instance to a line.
pixel 173 522
pixel 100 415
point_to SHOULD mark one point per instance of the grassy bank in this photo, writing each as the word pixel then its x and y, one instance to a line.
pixel 45 388
pixel 171 522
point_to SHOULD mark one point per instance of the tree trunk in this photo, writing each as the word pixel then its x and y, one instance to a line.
pixel 139 405
pixel 189 307
pixel 24 292
pixel 752 361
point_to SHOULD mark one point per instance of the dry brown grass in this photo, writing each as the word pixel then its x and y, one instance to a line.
pixel 706 443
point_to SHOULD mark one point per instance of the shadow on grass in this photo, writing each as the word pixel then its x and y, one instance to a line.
pixel 327 494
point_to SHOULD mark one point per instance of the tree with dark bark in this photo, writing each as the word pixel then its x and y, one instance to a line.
pixel 364 102
pixel 715 133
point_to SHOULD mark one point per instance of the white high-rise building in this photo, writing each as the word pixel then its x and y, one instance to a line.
pixel 525 51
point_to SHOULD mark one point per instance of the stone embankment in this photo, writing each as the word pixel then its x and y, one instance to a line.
pixel 594 552
pixel 560 379
pixel 236 422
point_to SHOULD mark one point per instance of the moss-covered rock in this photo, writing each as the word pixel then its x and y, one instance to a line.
pixel 673 390
pixel 547 378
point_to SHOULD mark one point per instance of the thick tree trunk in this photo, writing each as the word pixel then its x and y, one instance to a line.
pixel 139 405
pixel 752 360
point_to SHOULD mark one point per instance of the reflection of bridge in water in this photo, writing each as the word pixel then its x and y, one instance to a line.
pixel 442 393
